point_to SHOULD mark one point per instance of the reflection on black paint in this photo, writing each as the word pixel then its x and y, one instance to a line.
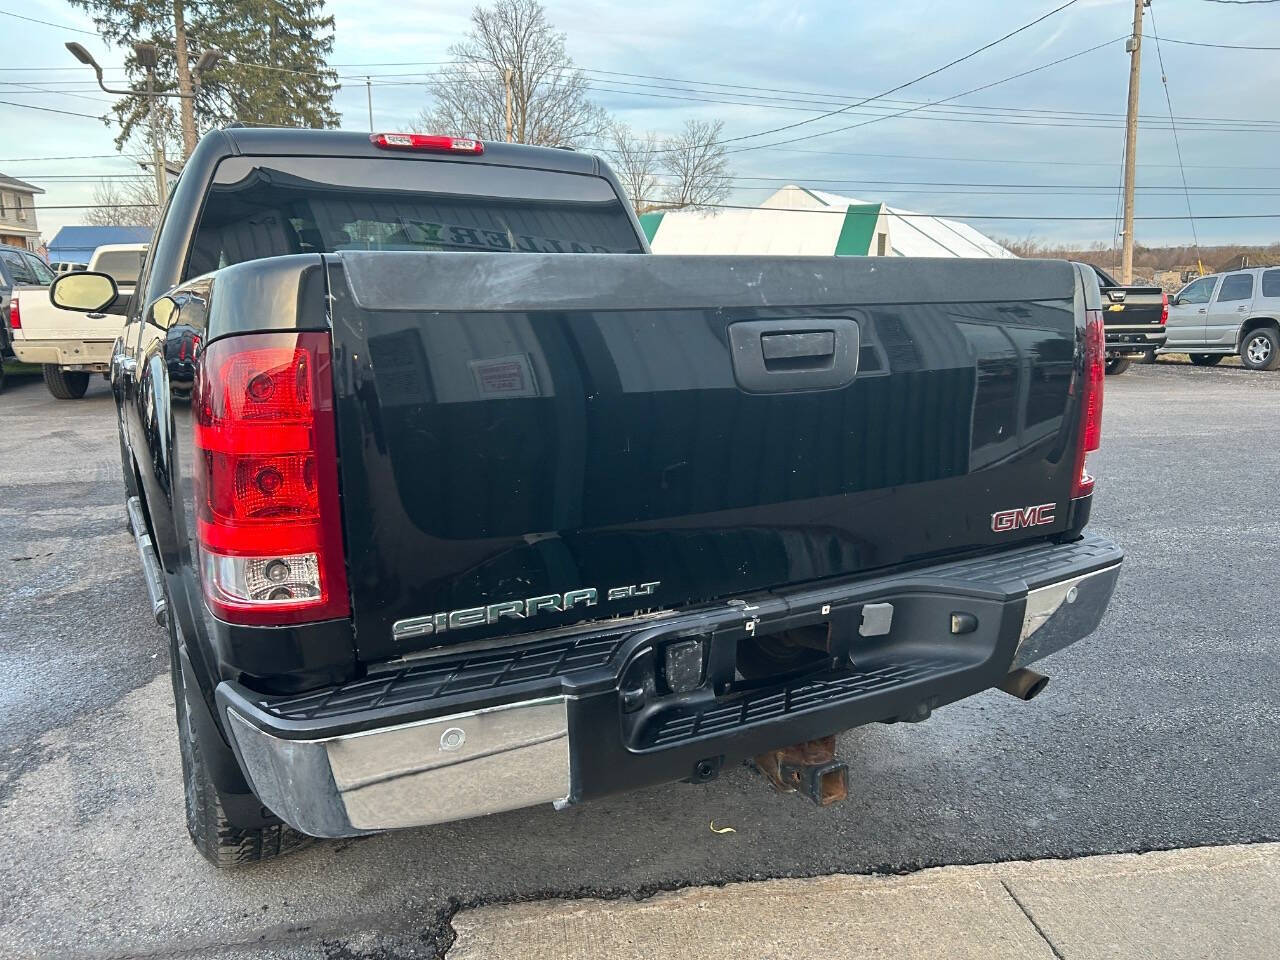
pixel 632 454
pixel 491 467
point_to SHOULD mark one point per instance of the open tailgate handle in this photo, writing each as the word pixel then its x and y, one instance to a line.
pixel 779 356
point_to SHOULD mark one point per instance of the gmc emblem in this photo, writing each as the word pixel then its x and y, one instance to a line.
pixel 1002 521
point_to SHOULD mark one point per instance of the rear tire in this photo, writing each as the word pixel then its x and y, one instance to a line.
pixel 1260 349
pixel 219 840
pixel 1205 359
pixel 65 384
pixel 1118 366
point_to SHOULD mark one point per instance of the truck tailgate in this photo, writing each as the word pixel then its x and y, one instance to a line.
pixel 532 440
pixel 1127 306
pixel 41 320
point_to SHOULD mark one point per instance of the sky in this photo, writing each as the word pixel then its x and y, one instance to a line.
pixel 1031 151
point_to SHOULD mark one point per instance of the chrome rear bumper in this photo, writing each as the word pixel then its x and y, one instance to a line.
pixel 431 771
pixel 361 758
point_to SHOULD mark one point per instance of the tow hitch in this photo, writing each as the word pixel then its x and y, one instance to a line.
pixel 810 768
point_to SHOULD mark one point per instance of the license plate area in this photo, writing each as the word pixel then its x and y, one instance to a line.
pixel 889 656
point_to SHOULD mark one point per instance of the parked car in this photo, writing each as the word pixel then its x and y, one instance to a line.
pixel 72 346
pixel 1215 316
pixel 21 271
pixel 1135 317
pixel 65 266
pixel 601 519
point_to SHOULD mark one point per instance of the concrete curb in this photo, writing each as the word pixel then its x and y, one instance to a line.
pixel 1195 903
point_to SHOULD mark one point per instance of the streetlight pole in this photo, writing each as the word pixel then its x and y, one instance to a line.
pixel 148 57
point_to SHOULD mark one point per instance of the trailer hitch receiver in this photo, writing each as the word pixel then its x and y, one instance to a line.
pixel 810 768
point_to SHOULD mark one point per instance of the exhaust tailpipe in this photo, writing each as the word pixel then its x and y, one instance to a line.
pixel 1024 684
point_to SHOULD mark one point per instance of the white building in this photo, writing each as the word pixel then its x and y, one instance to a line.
pixel 798 221
pixel 18 226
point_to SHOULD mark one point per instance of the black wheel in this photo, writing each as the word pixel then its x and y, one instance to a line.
pixel 220 840
pixel 65 384
pixel 1260 349
pixel 1118 366
pixel 1205 359
pixel 2 374
pixel 1148 356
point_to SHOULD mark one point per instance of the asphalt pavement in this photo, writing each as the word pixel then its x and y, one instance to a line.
pixel 1159 732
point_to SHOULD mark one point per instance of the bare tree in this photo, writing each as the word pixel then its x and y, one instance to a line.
pixel 128 203
pixel 695 164
pixel 636 162
pixel 549 104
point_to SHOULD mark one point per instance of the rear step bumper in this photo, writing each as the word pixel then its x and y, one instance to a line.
pixel 571 717
pixel 1135 339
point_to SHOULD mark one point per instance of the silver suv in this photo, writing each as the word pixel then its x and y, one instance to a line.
pixel 1227 313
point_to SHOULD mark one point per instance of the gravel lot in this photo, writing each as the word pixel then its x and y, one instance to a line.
pixel 1159 732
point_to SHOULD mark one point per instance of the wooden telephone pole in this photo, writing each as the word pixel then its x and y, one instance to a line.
pixel 506 82
pixel 1134 46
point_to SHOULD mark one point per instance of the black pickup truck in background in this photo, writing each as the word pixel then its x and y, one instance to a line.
pixel 438 533
pixel 1136 319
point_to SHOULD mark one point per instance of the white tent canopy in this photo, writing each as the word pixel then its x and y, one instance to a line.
pixel 911 234
pixel 799 221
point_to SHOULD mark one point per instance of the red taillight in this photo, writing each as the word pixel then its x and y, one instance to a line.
pixel 1164 308
pixel 266 480
pixel 419 141
pixel 1095 373
pixel 15 315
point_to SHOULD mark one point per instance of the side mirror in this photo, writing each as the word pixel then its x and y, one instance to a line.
pixel 83 292
pixel 163 311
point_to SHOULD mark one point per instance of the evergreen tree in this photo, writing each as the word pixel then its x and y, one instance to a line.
pixel 274 69
pixel 289 41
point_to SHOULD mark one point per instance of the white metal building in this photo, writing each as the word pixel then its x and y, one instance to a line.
pixel 798 221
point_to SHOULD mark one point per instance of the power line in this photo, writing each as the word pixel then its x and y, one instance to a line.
pixel 966 114
pixel 730 206
pixel 901 86
pixel 83 156
pixel 1164 80
pixel 820 153
pixel 68 113
pixel 959 183
pixel 1218 46
pixel 31 88
pixel 825 99
pixel 1002 160
pixel 658 203
pixel 985 86
pixel 50 23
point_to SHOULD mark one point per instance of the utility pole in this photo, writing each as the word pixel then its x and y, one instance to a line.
pixel 157 146
pixel 368 89
pixel 1134 46
pixel 506 82
pixel 186 82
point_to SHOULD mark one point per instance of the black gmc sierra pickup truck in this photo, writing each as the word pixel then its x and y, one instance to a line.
pixel 437 533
